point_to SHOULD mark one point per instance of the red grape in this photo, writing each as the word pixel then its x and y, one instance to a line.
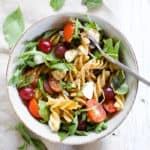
pixel 26 93
pixel 45 45
pixel 81 125
pixel 60 50
pixel 108 92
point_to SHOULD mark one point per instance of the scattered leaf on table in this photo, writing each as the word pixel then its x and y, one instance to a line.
pixel 57 4
pixel 13 27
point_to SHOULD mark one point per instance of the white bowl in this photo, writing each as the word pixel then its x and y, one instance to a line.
pixel 43 130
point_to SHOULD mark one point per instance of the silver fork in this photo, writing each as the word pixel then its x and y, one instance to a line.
pixel 119 64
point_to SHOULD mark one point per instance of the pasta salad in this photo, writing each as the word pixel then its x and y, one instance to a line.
pixel 66 83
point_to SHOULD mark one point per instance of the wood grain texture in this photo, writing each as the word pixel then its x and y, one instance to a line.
pixel 132 17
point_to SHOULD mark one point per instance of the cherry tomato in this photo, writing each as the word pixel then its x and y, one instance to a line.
pixel 47 87
pixel 109 106
pixel 26 93
pixel 54 85
pixel 97 114
pixel 34 108
pixel 108 92
pixel 60 51
pixel 69 29
pixel 45 45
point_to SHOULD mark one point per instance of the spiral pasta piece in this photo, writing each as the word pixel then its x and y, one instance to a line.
pixel 61 107
pixel 119 104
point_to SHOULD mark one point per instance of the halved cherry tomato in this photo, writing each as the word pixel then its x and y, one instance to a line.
pixel 69 29
pixel 97 114
pixel 34 108
pixel 109 106
pixel 47 87
pixel 54 85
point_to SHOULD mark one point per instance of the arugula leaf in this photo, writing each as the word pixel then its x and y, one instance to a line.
pixel 100 127
pixel 20 127
pixel 90 24
pixel 13 27
pixel 59 66
pixel 52 57
pixel 111 50
pixel 30 45
pixel 78 26
pixel 40 87
pixel 38 144
pixel 71 67
pixel 57 4
pixel 97 54
pixel 15 79
pixel 92 3
pixel 62 135
pixel 43 110
pixel 24 81
pixel 66 85
pixel 123 89
pixel 49 33
pixel 73 126
pixel 23 147
pixel 81 133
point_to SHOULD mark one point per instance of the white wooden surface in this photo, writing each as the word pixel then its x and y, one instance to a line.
pixel 133 19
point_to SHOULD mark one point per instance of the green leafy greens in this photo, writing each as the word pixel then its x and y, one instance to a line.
pixel 66 85
pixel 43 110
pixel 92 3
pixel 57 4
pixel 13 27
pixel 118 83
pixel 28 139
pixel 110 49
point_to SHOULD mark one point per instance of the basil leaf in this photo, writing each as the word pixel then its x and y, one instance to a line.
pixel 13 27
pixel 62 135
pixel 92 3
pixel 23 147
pixel 38 144
pixel 81 133
pixel 20 127
pixel 100 127
pixel 24 132
pixel 118 80
pixel 43 110
pixel 57 4
pixel 123 89
pixel 73 127
pixel 111 50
